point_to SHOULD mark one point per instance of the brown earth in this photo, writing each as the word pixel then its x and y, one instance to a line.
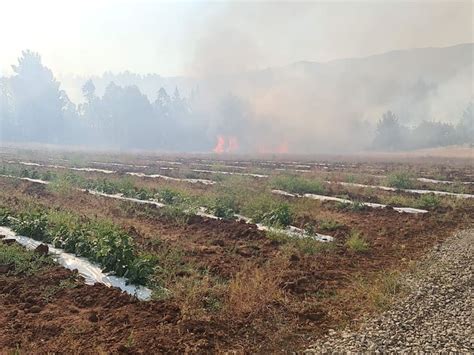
pixel 99 319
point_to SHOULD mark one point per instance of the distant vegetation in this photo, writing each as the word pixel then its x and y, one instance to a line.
pixel 391 135
pixel 34 108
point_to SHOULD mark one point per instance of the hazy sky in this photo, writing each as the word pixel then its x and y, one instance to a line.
pixel 175 38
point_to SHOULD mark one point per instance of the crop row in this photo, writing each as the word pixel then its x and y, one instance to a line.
pixel 98 240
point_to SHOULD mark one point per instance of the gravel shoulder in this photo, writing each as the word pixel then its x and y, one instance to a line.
pixel 435 316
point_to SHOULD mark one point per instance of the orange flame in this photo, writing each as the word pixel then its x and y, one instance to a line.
pixel 282 148
pixel 226 144
pixel 219 148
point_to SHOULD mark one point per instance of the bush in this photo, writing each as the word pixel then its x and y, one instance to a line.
pixel 400 180
pixel 356 242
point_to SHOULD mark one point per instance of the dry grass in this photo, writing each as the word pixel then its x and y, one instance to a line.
pixel 255 288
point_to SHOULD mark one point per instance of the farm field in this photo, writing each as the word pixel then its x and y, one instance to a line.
pixel 238 253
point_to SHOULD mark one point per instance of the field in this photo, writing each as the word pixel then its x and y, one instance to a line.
pixel 240 254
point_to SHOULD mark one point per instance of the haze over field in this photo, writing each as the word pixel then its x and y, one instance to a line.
pixel 238 76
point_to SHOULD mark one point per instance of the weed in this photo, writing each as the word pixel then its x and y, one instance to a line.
pixel 329 225
pixel 355 206
pixel 50 291
pixel 356 242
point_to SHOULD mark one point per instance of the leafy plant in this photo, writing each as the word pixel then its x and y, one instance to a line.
pixel 224 207
pixel 169 196
pixel 281 215
pixel 32 224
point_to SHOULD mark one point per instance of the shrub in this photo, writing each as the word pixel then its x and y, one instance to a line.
pixel 356 242
pixel 400 180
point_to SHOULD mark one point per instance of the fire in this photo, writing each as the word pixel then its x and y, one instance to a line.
pixel 219 148
pixel 226 144
pixel 282 148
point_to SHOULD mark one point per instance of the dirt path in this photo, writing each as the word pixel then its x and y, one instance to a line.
pixel 435 316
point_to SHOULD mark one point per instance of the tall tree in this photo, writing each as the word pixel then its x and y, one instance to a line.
pixel 37 99
pixel 390 134
pixel 465 127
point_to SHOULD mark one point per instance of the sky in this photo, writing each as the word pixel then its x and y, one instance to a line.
pixel 187 38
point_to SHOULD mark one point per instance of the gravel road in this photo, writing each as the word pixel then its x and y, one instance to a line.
pixel 435 316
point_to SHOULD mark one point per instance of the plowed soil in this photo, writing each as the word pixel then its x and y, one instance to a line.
pixel 91 319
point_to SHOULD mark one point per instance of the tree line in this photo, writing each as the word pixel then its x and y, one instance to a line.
pixel 33 108
pixel 391 135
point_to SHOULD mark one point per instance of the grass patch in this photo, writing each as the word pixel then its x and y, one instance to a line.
pixel 429 201
pixel 381 291
pixel 306 245
pixel 400 180
pixel 22 261
pixel 329 225
pixel 263 208
pixel 297 184
pixel 254 288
